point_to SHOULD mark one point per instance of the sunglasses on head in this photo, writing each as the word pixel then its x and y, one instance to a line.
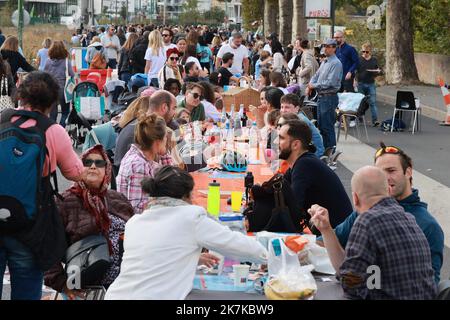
pixel 196 95
pixel 98 163
pixel 388 149
pixel 174 58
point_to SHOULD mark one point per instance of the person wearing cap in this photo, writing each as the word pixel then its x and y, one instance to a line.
pixel 327 82
pixel 241 60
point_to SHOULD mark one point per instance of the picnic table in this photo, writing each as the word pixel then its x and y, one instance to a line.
pixel 328 287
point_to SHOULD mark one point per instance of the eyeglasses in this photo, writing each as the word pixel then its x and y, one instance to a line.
pixel 98 163
pixel 166 35
pixel 365 51
pixel 388 149
pixel 196 95
pixel 174 58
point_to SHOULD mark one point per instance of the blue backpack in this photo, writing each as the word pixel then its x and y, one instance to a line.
pixel 22 188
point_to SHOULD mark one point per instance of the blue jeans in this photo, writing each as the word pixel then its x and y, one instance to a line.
pixel 369 89
pixel 112 63
pixel 327 117
pixel 65 110
pixel 26 277
pixel 125 76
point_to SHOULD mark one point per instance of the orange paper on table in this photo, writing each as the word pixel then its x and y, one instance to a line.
pixel 295 243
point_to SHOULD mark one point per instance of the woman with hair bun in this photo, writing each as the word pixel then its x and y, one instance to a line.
pixel 140 161
pixel 163 245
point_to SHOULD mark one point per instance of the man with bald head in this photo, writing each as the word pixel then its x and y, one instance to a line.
pixel 387 256
pixel 349 59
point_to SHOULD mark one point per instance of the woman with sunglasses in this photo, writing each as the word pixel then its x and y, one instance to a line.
pixel 164 243
pixel 367 71
pixel 192 101
pixel 90 208
pixel 170 69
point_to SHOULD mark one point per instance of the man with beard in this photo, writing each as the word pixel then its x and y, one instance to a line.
pixel 311 180
pixel 397 166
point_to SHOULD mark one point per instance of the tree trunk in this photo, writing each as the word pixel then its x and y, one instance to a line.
pixel 400 63
pixel 270 17
pixel 285 10
pixel 298 20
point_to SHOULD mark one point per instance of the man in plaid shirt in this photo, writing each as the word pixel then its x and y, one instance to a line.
pixel 384 238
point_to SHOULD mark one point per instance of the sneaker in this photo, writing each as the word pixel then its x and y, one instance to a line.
pixel 376 123
pixel 352 124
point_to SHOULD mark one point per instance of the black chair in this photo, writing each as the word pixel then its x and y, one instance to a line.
pixel 406 102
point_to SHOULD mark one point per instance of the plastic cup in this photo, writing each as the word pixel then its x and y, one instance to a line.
pixel 240 274
pixel 236 201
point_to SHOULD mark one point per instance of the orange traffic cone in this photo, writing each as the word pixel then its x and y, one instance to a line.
pixel 446 95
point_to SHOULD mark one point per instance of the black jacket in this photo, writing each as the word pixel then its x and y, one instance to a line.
pixel 313 182
pixel 137 58
pixel 16 61
pixel 124 62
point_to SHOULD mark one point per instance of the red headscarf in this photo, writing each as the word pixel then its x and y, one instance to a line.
pixel 94 200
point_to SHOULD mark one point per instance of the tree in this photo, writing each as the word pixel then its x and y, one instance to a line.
pixel 400 63
pixel 270 16
pixel 298 20
pixel 285 10
pixel 190 12
pixel 252 10
pixel 124 12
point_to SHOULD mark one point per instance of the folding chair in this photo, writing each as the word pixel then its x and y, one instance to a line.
pixel 406 102
pixel 343 116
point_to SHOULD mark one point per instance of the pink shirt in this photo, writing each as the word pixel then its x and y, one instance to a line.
pixel 60 149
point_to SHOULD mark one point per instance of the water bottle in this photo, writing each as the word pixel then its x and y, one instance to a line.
pixel 214 198
pixel 241 110
pixel 223 118
pixel 253 143
pixel 232 114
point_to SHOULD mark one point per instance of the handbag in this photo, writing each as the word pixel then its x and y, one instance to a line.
pixel 273 208
pixel 91 256
pixel 69 87
pixel 5 99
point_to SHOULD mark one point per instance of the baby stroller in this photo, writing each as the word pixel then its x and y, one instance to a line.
pixel 78 123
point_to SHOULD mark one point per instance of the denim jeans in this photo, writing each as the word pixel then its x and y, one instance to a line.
pixel 327 117
pixel 26 277
pixel 65 110
pixel 368 89
pixel 112 63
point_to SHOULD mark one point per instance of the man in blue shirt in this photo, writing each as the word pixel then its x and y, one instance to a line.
pixel 349 59
pixel 398 167
pixel 327 82
pixel 290 103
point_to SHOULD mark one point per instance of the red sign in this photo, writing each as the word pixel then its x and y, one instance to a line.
pixel 319 14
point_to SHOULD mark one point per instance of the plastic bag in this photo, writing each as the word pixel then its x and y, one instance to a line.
pixel 287 279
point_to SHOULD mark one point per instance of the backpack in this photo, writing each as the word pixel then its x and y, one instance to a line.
pixel 273 208
pixel 399 125
pixel 98 61
pixel 27 205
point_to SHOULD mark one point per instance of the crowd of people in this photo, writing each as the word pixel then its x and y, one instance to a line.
pixel 156 236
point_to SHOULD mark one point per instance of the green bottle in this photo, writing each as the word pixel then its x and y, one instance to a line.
pixel 214 198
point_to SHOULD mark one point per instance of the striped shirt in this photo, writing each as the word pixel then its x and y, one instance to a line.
pixel 133 169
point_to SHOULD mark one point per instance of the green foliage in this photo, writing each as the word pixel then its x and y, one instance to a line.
pixel 190 14
pixel 123 12
pixel 252 10
pixel 431 21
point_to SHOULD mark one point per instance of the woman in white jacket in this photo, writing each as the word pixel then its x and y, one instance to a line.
pixel 163 245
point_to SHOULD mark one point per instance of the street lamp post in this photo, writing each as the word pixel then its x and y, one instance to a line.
pixel 20 25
